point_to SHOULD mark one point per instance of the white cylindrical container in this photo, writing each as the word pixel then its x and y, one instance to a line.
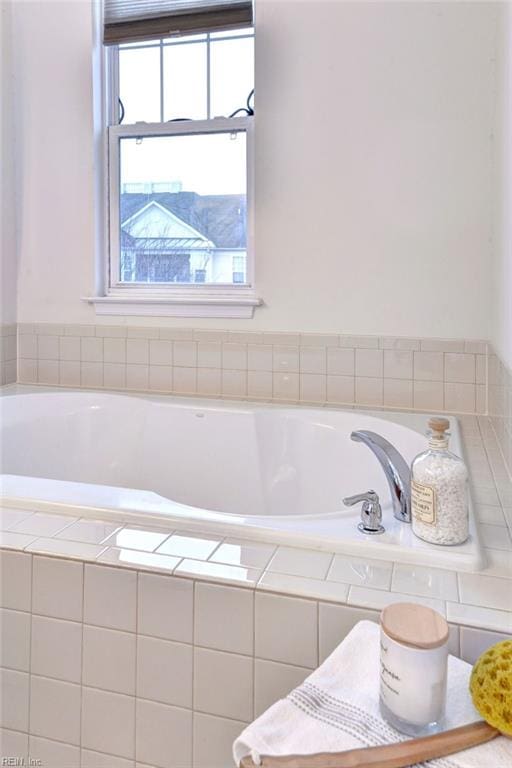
pixel 439 492
pixel 414 657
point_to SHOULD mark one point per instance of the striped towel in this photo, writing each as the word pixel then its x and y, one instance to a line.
pixel 337 708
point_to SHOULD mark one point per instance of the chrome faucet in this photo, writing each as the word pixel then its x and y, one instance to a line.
pixel 395 468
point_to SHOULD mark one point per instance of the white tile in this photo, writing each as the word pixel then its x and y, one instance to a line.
pixel 69 373
pixel 211 694
pixel 114 375
pixel 213 740
pixel 160 378
pixel 398 393
pixel 137 376
pixel 399 343
pixel 379 599
pixel 52 753
pixel 144 561
pixel 48 347
pixel 313 387
pixel 281 339
pixel 341 361
pixel 486 591
pixel 91 374
pixel 490 515
pixel 286 630
pixel 362 571
pixel 215 608
pixel 260 357
pixel 335 622
pixel 27 371
pixel 184 380
pixel 301 562
pixel 15 580
pixel 177 334
pixel 14 743
pixel 176 622
pixel 229 574
pixel 473 642
pixel 74 329
pixel 111 330
pixel 498 563
pixel 286 359
pixel 496 537
pixel 481 369
pixel 189 546
pixel 73 549
pixel 460 397
pixel 164 735
pixel 245 553
pixel 137 352
pixel 88 531
pixel 142 332
pixel 340 389
pixel 259 384
pixel 209 354
pixel 69 348
pixel 442 345
pixel 273 681
pixel 108 722
pixel 56 649
pixel 55 709
pixel 92 759
pixel 57 588
pixel 459 367
pixel 234 356
pixel 164 671
pixel 110 597
pixel 314 589
pixel 398 364
pixel 114 351
pixel 48 372
pixel 428 395
pixel 313 359
pixel 428 366
pixel 160 352
pixel 15 699
pixel 92 350
pixel 369 362
pixel 369 391
pixel 209 381
pixel 185 354
pixel 27 346
pixel 477 616
pixel 234 383
pixel 109 660
pixel 421 580
pixel 144 539
pixel 15 640
pixel 286 386
pixel 43 525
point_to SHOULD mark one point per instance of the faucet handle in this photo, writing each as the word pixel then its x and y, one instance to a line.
pixel 371 511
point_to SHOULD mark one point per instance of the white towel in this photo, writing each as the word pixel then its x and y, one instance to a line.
pixel 337 708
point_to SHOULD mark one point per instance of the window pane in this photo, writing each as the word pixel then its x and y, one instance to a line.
pixel 183 209
pixel 185 81
pixel 232 75
pixel 139 84
pixel 233 33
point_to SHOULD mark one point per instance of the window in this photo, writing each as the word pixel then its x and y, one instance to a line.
pixel 180 174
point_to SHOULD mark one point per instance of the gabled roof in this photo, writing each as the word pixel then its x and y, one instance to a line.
pixel 220 219
pixel 156 226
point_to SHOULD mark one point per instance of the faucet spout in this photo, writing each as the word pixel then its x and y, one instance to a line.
pixel 395 468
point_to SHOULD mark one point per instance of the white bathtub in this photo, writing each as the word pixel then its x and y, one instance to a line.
pixel 268 472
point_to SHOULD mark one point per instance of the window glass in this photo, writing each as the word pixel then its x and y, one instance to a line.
pixel 185 81
pixel 232 74
pixel 139 84
pixel 183 209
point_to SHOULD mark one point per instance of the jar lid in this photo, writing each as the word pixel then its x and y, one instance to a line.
pixel 414 625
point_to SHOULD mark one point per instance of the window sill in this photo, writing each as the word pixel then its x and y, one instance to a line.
pixel 199 305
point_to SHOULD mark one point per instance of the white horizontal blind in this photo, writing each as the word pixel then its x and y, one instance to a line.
pixel 129 21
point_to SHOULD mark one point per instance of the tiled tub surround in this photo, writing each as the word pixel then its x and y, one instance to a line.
pixel 8 353
pixel 421 374
pixel 500 404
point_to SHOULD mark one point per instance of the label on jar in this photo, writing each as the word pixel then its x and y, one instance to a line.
pixel 423 503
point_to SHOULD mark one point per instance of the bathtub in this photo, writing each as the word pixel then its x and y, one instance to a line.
pixel 261 471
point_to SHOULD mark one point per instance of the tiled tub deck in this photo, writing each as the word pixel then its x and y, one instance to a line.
pixel 137 648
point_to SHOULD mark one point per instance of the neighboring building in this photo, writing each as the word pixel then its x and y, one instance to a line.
pixel 183 237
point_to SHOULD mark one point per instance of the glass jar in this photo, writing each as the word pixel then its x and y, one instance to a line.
pixel 439 492
pixel 414 661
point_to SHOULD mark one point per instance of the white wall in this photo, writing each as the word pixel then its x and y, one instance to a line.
pixel 502 288
pixel 7 186
pixel 373 165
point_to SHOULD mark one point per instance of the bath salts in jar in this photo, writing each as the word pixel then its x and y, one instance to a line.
pixel 439 492
pixel 414 660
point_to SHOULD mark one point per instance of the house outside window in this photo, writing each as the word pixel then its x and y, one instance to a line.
pixel 180 172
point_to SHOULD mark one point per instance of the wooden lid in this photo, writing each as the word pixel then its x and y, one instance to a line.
pixel 414 625
pixel 439 425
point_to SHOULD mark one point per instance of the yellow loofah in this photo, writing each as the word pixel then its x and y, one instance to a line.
pixel 491 686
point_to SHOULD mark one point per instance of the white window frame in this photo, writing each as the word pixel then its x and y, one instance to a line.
pixel 171 300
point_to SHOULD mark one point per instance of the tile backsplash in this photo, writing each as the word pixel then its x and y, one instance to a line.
pixel 500 405
pixel 319 369
pixel 8 353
